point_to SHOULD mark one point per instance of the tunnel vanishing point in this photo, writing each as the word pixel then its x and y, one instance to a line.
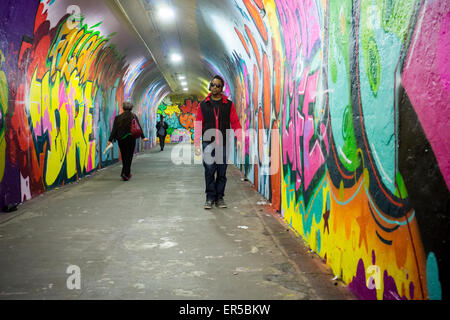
pixel 350 99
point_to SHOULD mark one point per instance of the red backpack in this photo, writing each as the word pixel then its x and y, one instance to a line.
pixel 135 129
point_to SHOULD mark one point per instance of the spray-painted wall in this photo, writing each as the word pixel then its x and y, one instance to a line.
pixel 350 100
pixel 347 100
pixel 181 119
pixel 63 79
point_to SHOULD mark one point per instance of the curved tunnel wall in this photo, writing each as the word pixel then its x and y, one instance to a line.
pixel 61 87
pixel 348 101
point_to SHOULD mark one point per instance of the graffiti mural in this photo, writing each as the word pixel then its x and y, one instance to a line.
pixel 180 119
pixel 330 89
pixel 3 111
pixel 344 105
pixel 62 84
pixel 148 113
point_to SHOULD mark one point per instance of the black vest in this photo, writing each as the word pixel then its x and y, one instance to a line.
pixel 209 119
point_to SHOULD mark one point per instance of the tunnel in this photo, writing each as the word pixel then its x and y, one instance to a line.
pixel 338 103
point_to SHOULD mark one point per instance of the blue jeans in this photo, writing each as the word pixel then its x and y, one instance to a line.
pixel 215 186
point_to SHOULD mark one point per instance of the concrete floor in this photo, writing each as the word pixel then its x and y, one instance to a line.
pixel 150 238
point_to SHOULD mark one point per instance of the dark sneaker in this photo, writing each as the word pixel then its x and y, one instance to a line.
pixel 221 203
pixel 208 204
pixel 124 177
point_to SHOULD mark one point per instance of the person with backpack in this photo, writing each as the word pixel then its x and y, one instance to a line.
pixel 161 131
pixel 126 129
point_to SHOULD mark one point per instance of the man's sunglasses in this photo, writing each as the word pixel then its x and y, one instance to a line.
pixel 215 85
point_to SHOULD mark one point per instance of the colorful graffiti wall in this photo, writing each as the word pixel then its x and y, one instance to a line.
pixel 181 119
pixel 346 101
pixel 351 100
pixel 62 83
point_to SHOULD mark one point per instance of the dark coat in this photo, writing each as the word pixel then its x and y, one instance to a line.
pixel 164 125
pixel 122 125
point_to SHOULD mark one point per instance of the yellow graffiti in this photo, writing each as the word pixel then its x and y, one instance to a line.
pixel 62 112
pixel 172 109
pixel 75 49
pixel 60 102
pixel 350 236
pixel 3 111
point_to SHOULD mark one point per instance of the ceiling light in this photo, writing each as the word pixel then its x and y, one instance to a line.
pixel 175 57
pixel 185 89
pixel 181 77
pixel 184 83
pixel 166 13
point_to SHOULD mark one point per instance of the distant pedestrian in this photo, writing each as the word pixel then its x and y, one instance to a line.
pixel 121 132
pixel 215 114
pixel 161 131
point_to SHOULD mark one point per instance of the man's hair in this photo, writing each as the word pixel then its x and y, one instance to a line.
pixel 127 106
pixel 219 78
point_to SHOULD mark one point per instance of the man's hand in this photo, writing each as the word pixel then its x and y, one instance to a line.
pixel 198 151
pixel 145 139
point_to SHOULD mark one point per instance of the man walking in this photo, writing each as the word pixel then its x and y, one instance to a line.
pixel 215 115
pixel 161 131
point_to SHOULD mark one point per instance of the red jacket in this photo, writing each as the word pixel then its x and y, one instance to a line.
pixel 199 120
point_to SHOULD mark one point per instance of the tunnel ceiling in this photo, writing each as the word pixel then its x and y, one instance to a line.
pixel 162 37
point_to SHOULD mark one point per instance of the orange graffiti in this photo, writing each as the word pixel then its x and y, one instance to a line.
pixel 254 45
pixel 257 19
